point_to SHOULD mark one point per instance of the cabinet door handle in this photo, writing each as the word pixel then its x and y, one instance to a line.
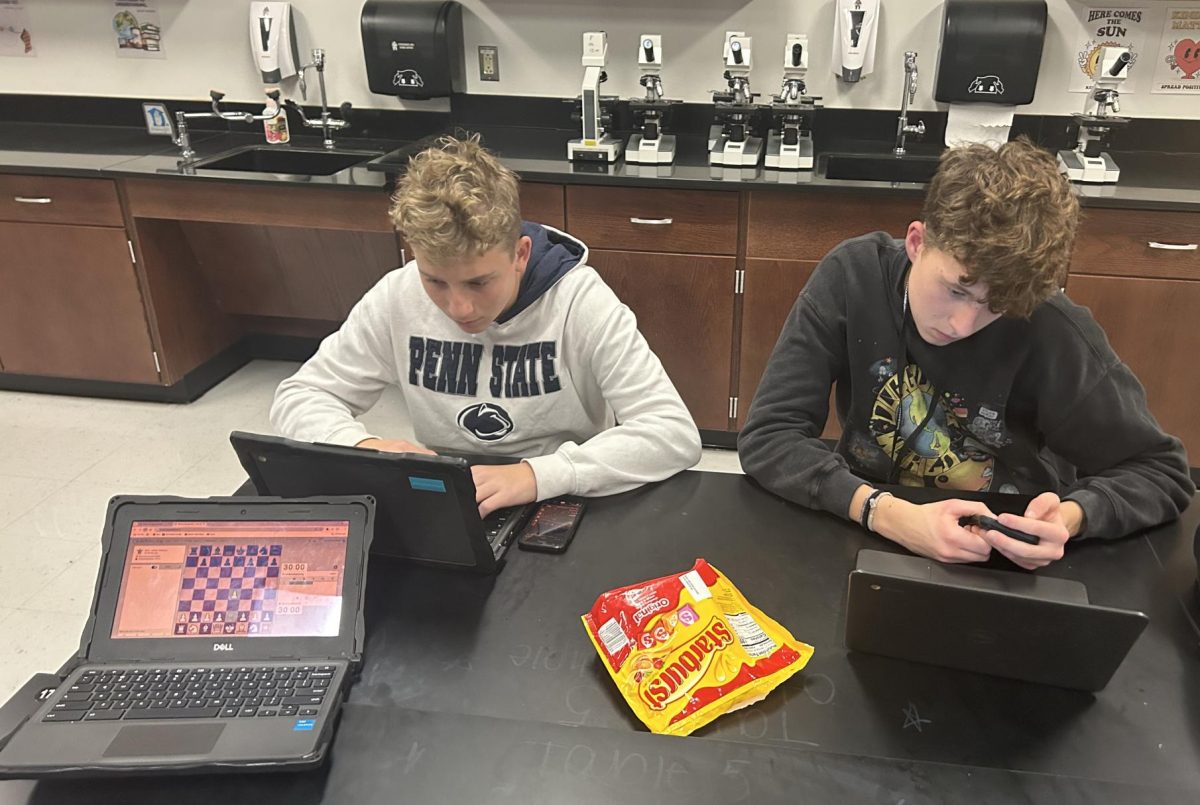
pixel 652 221
pixel 1174 247
pixel 32 200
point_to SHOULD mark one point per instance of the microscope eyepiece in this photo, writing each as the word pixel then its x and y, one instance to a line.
pixel 735 47
pixel 1120 64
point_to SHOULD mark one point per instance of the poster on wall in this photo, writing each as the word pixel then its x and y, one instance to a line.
pixel 1125 27
pixel 16 37
pixel 1177 62
pixel 136 25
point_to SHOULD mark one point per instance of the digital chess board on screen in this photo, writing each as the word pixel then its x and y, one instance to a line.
pixel 232 579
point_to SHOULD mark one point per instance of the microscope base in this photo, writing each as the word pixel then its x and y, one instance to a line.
pixel 789 157
pixel 606 149
pixel 651 152
pixel 744 154
pixel 1090 170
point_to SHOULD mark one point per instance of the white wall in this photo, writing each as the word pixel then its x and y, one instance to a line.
pixel 206 46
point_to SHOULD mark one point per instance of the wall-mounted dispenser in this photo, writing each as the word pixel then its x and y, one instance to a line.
pixel 413 50
pixel 854 25
pixel 990 51
pixel 988 62
pixel 273 41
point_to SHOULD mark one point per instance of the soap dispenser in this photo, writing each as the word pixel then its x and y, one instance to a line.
pixel 854 25
pixel 273 41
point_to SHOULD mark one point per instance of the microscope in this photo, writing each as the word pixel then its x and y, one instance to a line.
pixel 789 143
pixel 594 145
pixel 1089 162
pixel 650 146
pixel 729 138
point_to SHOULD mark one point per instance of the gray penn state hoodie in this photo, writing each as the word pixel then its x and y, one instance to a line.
pixel 548 381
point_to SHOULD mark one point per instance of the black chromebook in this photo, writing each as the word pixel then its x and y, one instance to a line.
pixel 426 504
pixel 222 635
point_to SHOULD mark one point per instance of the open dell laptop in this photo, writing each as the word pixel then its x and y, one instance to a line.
pixel 222 635
pixel 426 509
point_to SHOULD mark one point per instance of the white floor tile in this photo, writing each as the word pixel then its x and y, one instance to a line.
pixel 218 473
pixel 71 590
pixel 59 453
pixel 53 411
pixel 30 563
pixel 75 512
pixel 19 495
pixel 36 642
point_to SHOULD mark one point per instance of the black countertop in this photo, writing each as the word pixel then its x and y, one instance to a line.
pixel 486 689
pixel 1149 180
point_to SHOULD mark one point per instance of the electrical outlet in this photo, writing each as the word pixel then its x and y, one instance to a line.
pixel 489 63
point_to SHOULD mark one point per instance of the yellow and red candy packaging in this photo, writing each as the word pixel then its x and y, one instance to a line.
pixel 687 648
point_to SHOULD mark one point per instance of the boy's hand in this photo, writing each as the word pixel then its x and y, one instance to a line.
pixel 501 485
pixel 932 529
pixel 1046 518
pixel 394 446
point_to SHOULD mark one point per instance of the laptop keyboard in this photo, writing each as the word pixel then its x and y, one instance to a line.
pixel 105 694
pixel 494 523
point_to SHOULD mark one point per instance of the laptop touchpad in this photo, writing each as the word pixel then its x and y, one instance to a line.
pixel 164 739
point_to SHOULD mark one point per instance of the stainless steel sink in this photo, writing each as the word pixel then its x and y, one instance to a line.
pixel 881 167
pixel 298 161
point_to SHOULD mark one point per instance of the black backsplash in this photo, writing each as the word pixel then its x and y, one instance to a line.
pixel 832 128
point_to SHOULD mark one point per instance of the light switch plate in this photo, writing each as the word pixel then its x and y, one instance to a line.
pixel 489 63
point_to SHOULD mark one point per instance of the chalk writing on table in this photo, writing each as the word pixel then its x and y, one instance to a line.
pixel 644 772
pixel 912 718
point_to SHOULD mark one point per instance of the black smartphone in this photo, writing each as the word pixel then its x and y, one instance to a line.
pixel 552 525
pixel 992 524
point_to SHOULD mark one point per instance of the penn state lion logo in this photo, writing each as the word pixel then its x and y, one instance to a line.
pixel 487 422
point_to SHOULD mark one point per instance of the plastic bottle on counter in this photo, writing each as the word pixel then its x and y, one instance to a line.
pixel 276 128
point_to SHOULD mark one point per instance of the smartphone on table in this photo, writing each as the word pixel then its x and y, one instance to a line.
pixel 552 525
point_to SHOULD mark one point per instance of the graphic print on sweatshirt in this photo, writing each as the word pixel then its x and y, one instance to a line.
pixel 514 371
pixel 944 454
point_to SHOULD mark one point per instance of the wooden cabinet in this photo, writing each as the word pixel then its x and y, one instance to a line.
pixel 70 302
pixel 544 204
pixel 787 234
pixel 684 307
pixel 1146 298
pixel 770 289
pixel 805 226
pixel 670 255
pixel 1148 324
pixel 651 220
pixel 711 275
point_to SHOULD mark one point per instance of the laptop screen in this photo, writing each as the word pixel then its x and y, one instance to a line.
pixel 253 578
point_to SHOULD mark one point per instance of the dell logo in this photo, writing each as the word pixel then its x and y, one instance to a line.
pixel 222 646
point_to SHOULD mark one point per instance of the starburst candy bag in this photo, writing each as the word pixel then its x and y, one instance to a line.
pixel 686 648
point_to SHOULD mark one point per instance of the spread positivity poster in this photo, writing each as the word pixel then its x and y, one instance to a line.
pixel 1177 62
pixel 1122 27
pixel 137 28
pixel 16 37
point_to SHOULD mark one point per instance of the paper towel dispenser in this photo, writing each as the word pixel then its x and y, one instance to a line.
pixel 990 51
pixel 413 50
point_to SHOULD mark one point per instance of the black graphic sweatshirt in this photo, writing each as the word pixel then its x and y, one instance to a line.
pixel 1023 405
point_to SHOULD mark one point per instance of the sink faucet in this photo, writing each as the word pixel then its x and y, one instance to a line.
pixel 910 93
pixel 328 122
pixel 182 138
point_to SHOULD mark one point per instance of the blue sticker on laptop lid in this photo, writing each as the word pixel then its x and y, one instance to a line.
pixel 304 724
pixel 426 484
